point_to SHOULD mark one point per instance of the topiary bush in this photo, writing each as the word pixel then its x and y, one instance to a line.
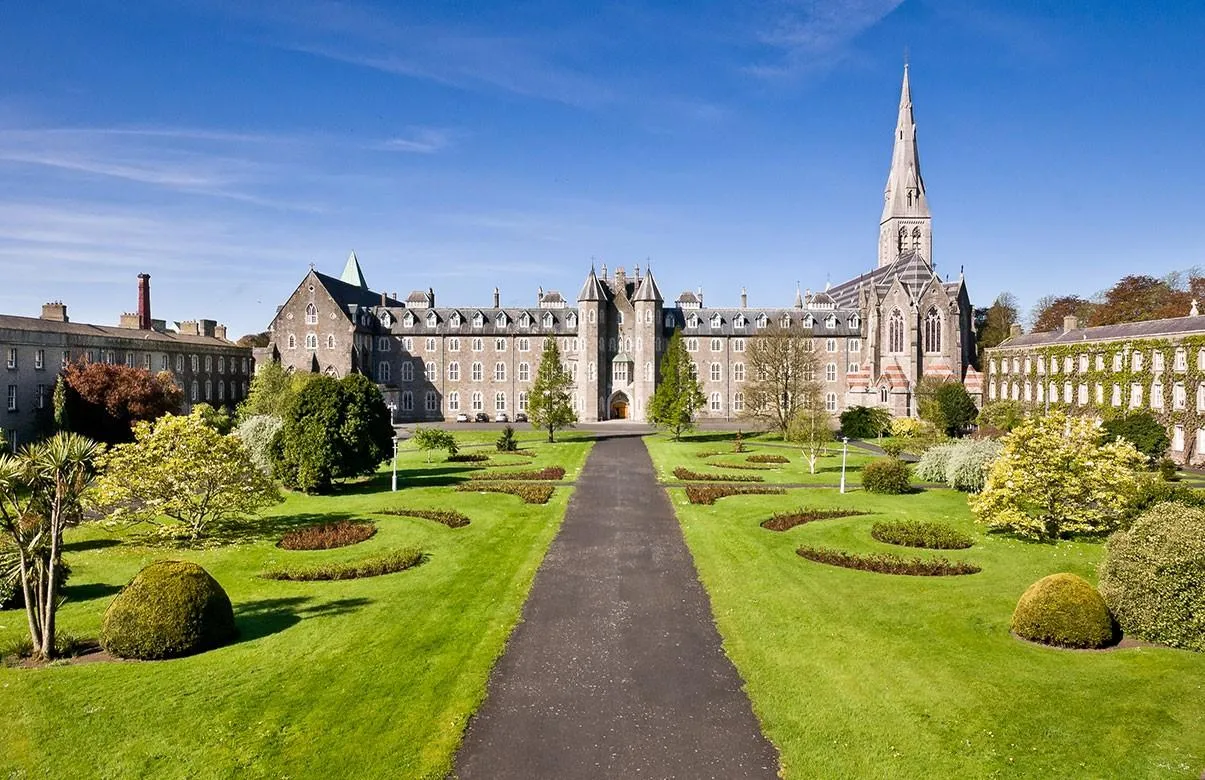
pixel 1063 610
pixel 169 609
pixel 1152 576
pixel 886 475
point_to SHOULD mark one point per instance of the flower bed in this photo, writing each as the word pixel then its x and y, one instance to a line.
pixel 785 521
pixel 884 563
pixel 741 466
pixel 693 476
pixel 327 536
pixel 550 473
pixel 449 517
pixel 917 533
pixel 768 459
pixel 389 563
pixel 468 457
pixel 709 494
pixel 530 492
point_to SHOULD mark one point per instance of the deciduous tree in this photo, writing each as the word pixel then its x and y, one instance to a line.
pixel 782 375
pixel 181 468
pixel 549 406
pixel 428 439
pixel 679 395
pixel 993 323
pixel 1050 310
pixel 270 390
pixel 812 429
pixel 103 401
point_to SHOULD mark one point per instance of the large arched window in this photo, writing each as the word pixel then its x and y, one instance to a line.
pixel 915 239
pixel 311 314
pixel 903 242
pixel 895 332
pixel 933 331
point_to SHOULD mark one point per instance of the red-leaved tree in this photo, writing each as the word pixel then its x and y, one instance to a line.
pixel 103 401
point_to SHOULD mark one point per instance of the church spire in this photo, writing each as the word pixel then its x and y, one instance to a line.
pixel 905 224
pixel 352 273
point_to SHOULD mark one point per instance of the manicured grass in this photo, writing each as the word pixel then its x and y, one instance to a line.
pixel 372 678
pixel 858 674
pixel 684 454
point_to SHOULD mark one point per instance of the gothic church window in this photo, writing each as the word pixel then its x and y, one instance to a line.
pixel 292 345
pixel 895 332
pixel 311 341
pixel 311 314
pixel 903 242
pixel 453 401
pixel 916 239
pixel 933 331
pixel 384 371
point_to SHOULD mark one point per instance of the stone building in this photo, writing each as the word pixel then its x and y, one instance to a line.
pixel 206 365
pixel 1156 366
pixel 876 335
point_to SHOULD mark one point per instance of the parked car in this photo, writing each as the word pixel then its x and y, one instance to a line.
pixel 462 417
pixel 482 417
pixel 501 417
pixel 520 416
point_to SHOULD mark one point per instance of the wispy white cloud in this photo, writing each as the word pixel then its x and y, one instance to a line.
pixel 809 35
pixel 421 140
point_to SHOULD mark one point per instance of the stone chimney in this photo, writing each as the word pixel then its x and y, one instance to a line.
pixel 1014 330
pixel 700 294
pixel 144 301
pixel 744 298
pixel 220 332
pixel 383 300
pixel 189 328
pixel 129 320
pixel 55 311
pixel 1070 323
pixel 621 278
pixel 430 297
pixel 540 294
pixel 604 271
pixel 637 269
pixel 497 298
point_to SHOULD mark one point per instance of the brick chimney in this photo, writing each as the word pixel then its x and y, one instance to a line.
pixel 144 301
pixel 744 298
pixel 55 311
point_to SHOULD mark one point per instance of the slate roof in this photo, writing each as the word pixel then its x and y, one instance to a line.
pixel 728 316
pixel 592 289
pixel 489 327
pixel 349 294
pixel 86 330
pixel 1175 326
pixel 648 290
pixel 912 269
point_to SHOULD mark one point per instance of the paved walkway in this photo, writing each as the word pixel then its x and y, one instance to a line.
pixel 616 669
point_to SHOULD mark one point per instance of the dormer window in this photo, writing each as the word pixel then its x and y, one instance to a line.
pixel 855 322
pixel 830 321
pixel 694 321
pixel 408 321
pixel 740 322
pixel 386 320
pixel 716 321
pixel 500 321
pixel 478 320
pixel 571 321
pixel 762 321
pixel 456 319
pixel 432 319
pixel 786 321
pixel 669 320
pixel 549 321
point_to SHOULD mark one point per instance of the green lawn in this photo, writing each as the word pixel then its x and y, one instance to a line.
pixel 686 454
pixel 371 678
pixel 855 674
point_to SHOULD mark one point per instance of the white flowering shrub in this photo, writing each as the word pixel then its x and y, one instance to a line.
pixel 968 462
pixel 256 432
pixel 932 465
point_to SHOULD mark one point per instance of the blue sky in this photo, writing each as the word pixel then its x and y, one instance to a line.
pixel 224 146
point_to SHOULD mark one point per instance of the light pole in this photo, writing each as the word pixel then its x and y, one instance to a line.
pixel 844 453
pixel 393 485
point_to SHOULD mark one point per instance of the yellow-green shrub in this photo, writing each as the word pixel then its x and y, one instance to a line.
pixel 1063 610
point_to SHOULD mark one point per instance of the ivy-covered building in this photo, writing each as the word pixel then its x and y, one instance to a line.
pixel 1156 366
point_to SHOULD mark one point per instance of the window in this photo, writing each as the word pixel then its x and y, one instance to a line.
pixel 453 371
pixel 311 314
pixel 164 362
pixel 692 345
pixel 648 371
pixel 478 404
pixel 1179 397
pixel 1067 392
pixel 591 371
pixel 1067 364
pixel 1117 358
pixel 1157 395
pixel 523 401
pixel 524 345
pixel 39 359
pixel 895 332
pixel 621 371
pixel 500 345
pixel 1178 439
pixel 384 371
pixel 499 372
pixel 830 402
pixel 716 321
pixel 208 363
pixel 738 372
pixel 1136 361
pixel 430 402
pixel 1157 361
pixel 382 343
pixel 407 322
pixel 715 372
pixel 830 372
pixel 717 402
pixel 40 398
pixel 408 371
pixel 1116 396
pixel 1083 394
pixel 830 345
pixel 499 402
pixel 785 322
pixel 1135 395
pixel 549 320
pixel 221 390
pixel 67 359
pixel 478 320
pixel 1200 440
pixel 762 321
pixel 431 344
pixel 525 372
pixel 453 344
pixel 477 372
pixel 991 391
pixel 740 322
pixel 883 394
pixel 854 345
pixel 500 320
pixel 432 319
pixel 830 322
pixel 855 322
pixel 716 346
pixel 12 398
pixel 1181 360
pixel 311 341
pixel 738 402
pixel 453 401
pixel 408 401
pixel 478 344
pixel 738 345
pixel 571 319
pixel 1100 394
pixel 208 390
pixel 694 370
pixel 933 331
pixel 431 371
pixel 853 368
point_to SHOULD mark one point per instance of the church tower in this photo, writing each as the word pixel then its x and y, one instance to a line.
pixel 906 223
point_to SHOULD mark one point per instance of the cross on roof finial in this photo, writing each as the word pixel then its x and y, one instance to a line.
pixel 311 265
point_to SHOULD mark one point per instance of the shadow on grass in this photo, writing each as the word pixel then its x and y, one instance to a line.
pixel 89 591
pixel 90 544
pixel 268 528
pixel 257 619
pixel 433 476
pixel 746 436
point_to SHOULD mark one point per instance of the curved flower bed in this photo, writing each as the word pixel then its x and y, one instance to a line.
pixel 398 560
pixel 550 473
pixel 449 517
pixel 785 521
pixel 530 492
pixel 883 563
pixel 709 494
pixel 687 475
pixel 327 536
pixel 918 533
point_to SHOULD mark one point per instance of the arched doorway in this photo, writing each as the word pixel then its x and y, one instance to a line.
pixel 619 407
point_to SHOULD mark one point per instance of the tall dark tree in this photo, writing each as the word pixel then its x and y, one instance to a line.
pixel 1138 298
pixel 679 396
pixel 549 406
pixel 992 323
pixel 365 427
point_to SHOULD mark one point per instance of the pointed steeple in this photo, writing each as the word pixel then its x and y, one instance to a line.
pixel 648 290
pixel 352 273
pixel 905 224
pixel 592 289
pixel 798 297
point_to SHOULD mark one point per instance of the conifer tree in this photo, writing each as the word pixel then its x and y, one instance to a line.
pixel 679 395
pixel 549 406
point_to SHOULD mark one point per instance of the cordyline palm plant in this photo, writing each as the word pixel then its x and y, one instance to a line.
pixel 41 493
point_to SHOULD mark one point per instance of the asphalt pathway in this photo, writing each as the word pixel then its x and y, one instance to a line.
pixel 616 669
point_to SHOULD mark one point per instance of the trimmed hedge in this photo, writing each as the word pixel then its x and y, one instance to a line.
pixel 468 457
pixel 710 453
pixel 785 521
pixel 886 475
pixel 169 609
pixel 327 536
pixel 918 533
pixel 886 563
pixel 396 561
pixel 550 473
pixel 449 517
pixel 709 494
pixel 768 459
pixel 687 475
pixel 1063 610
pixel 1153 576
pixel 530 492
pixel 741 466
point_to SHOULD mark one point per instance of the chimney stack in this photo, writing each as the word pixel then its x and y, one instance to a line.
pixel 220 332
pixel 430 297
pixel 744 298
pixel 55 311
pixel 1070 323
pixel 497 297
pixel 144 301
pixel 1014 330
pixel 540 294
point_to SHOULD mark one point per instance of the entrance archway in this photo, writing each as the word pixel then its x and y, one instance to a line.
pixel 619 407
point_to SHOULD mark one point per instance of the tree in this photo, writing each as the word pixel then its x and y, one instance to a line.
pixel 257 434
pixel 366 427
pixel 679 394
pixel 1143 430
pixel 103 401
pixel 428 439
pixel 993 324
pixel 1055 477
pixel 261 339
pixel 1050 310
pixel 42 490
pixel 270 390
pixel 945 404
pixel 812 429
pixel 782 371
pixel 549 406
pixel 1003 415
pixel 219 419
pixel 181 468
pixel 1137 298
pixel 865 422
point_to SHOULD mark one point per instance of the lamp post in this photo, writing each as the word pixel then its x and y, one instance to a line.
pixel 393 484
pixel 844 453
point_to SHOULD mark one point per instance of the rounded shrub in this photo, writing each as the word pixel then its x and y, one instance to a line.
pixel 932 465
pixel 1063 610
pixel 1152 574
pixel 921 533
pixel 966 469
pixel 886 475
pixel 169 609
